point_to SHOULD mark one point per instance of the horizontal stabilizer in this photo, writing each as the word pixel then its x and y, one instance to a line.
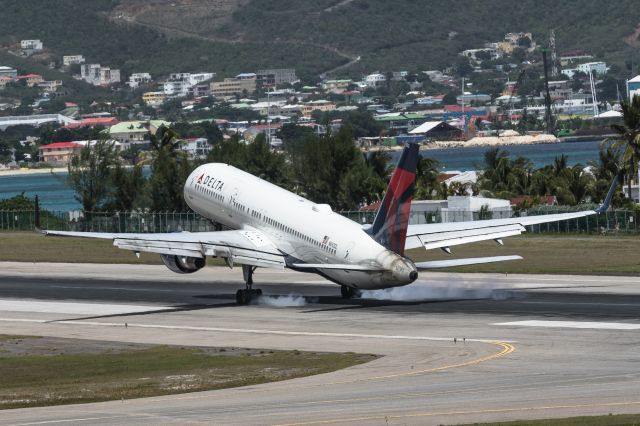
pixel 345 267
pixel 463 262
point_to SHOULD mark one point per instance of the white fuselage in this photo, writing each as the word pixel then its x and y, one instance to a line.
pixel 303 231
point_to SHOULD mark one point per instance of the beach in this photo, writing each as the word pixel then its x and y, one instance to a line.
pixel 27 172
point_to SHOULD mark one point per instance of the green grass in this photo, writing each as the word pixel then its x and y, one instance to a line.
pixel 552 254
pixel 37 380
pixel 610 420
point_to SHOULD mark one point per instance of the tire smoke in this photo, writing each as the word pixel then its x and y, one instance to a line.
pixel 421 291
pixel 291 300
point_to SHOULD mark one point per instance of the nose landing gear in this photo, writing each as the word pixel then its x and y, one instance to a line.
pixel 244 296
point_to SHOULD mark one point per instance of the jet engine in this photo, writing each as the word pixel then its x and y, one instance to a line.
pixel 183 264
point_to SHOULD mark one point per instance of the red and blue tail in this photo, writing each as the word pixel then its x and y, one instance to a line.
pixel 390 225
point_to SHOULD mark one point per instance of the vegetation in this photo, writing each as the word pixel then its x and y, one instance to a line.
pixel 67 371
pixel 503 177
pixel 606 420
pixel 312 37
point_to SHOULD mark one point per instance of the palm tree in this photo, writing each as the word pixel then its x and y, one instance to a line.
pixel 628 138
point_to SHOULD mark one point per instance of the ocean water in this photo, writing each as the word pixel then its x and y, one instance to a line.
pixel 54 194
pixel 465 159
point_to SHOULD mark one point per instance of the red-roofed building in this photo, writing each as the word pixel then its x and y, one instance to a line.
pixel 59 152
pixel 93 122
pixel 31 79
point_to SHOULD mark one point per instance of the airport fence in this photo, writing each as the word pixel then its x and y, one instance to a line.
pixel 614 221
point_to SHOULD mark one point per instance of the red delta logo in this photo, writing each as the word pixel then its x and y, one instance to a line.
pixel 200 179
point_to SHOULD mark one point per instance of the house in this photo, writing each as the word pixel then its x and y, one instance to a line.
pixel 93 122
pixel 4 80
pixel 178 84
pixel 31 79
pixel 479 55
pixel 50 86
pixel 318 105
pixel 138 78
pixel 375 80
pixel 196 147
pixel 598 68
pixel 130 132
pixel 59 152
pixel 69 60
pixel 336 85
pixel 31 45
pixel 234 86
pixel 99 75
pixel 153 99
pixel 8 72
pixel 269 130
pixel 633 87
pixel 273 77
pixel 559 90
pixel 469 98
pixel 437 130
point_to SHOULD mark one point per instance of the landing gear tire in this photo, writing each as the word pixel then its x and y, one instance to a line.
pixel 349 292
pixel 244 296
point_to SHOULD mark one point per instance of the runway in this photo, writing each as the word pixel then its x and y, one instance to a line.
pixel 456 347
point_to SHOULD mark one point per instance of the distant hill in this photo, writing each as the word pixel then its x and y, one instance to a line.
pixel 229 36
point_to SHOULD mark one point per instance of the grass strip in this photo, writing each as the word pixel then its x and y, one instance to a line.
pixel 607 420
pixel 125 372
pixel 549 254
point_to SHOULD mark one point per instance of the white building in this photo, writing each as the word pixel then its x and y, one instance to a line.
pixel 8 72
pixel 178 84
pixel 98 75
pixel 375 80
pixel 31 44
pixel 598 68
pixel 458 209
pixel 196 147
pixel 68 60
pixel 138 78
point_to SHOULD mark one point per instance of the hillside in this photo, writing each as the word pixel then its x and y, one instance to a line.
pixel 229 36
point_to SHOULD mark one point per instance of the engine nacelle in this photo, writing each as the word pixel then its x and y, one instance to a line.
pixel 183 264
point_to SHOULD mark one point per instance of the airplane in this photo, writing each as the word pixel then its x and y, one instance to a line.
pixel 270 227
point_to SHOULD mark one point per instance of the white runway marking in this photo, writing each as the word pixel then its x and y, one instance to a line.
pixel 253 331
pixel 17 305
pixel 574 324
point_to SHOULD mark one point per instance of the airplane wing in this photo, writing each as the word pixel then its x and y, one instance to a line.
pixel 245 246
pixel 445 235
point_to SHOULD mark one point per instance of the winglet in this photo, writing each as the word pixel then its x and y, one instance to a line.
pixel 607 201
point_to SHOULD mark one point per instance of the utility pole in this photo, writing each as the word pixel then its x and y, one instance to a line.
pixel 547 96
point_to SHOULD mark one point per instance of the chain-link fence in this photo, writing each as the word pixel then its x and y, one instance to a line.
pixel 614 221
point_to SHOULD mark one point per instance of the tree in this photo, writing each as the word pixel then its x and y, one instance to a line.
pixel 427 185
pixel 90 175
pixel 628 138
pixel 170 168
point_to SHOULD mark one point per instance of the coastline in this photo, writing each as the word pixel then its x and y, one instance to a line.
pixel 488 141
pixel 26 172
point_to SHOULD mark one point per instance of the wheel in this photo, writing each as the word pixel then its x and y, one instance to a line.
pixel 243 297
pixel 258 292
pixel 347 292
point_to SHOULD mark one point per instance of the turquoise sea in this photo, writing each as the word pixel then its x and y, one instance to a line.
pixel 55 195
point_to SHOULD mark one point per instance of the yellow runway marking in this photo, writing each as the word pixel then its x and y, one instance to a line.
pixel 384 417
pixel 507 348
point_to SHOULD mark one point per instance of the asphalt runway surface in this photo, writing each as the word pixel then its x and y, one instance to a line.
pixel 455 348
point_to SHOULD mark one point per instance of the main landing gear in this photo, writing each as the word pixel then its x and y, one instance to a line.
pixel 349 292
pixel 244 296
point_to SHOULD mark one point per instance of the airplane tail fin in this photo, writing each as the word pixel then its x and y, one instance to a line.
pixel 390 225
